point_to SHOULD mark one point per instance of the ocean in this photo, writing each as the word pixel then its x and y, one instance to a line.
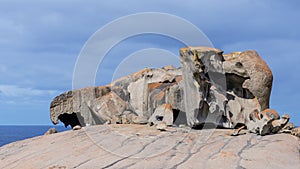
pixel 9 134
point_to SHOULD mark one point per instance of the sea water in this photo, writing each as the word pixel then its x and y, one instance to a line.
pixel 10 133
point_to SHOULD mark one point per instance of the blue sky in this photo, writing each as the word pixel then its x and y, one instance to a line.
pixel 41 40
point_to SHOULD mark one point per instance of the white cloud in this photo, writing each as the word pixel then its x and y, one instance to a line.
pixel 19 92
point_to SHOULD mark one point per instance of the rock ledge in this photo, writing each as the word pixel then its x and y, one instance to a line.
pixel 140 146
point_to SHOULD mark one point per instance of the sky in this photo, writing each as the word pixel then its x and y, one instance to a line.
pixel 40 42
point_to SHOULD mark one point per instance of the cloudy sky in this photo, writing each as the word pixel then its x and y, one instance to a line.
pixel 41 40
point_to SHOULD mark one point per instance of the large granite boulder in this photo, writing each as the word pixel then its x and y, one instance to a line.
pixel 226 90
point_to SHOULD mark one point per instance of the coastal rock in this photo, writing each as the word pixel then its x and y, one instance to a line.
pixel 267 122
pixel 161 125
pixel 107 108
pixel 140 146
pixel 163 113
pixel 296 131
pixel 226 90
pixel 257 76
pixel 72 107
pixel 201 70
pixel 288 128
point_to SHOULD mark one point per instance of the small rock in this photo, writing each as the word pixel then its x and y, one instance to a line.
pixel 169 67
pixel 296 132
pixel 51 131
pixel 162 126
pixel 289 126
pixel 139 120
pixel 107 122
pixel 277 125
pixel 236 132
pixel 77 127
pixel 182 126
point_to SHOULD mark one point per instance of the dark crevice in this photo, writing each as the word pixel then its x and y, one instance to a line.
pixel 175 114
pixel 238 125
pixel 84 162
pixel 110 165
pixel 230 96
pixel 235 84
pixel 208 125
pixel 124 158
pixel 71 119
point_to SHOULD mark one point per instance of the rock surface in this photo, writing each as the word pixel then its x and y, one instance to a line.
pixel 226 90
pixel 139 146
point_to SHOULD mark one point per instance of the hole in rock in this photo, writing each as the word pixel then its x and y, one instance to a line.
pixel 235 84
pixel 238 125
pixel 70 119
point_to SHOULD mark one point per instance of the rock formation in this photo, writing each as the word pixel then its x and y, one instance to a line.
pixel 226 90
pixel 231 91
pixel 296 132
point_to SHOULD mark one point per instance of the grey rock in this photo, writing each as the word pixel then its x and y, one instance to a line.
pixel 237 132
pixel 258 76
pixel 164 112
pixel 161 125
pixel 196 64
pixel 74 106
pixel 227 90
pixel 139 120
pixel 267 122
pixel 296 131
pixel 288 128
pixel 107 108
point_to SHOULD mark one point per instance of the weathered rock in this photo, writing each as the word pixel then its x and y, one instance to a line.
pixel 51 131
pixel 237 132
pixel 127 117
pixel 197 66
pixel 296 131
pixel 267 122
pixel 164 112
pixel 76 102
pixel 227 90
pixel 161 125
pixel 277 125
pixel 140 146
pixel 257 76
pixel 107 108
pixel 288 128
